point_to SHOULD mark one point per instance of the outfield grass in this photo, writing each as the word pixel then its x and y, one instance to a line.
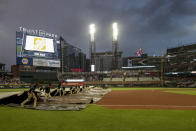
pixel 96 118
pixel 13 90
pixel 188 92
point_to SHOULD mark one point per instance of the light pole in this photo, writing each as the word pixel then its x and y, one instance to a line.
pixel 115 31
pixel 92 51
pixel 162 69
pixel 115 46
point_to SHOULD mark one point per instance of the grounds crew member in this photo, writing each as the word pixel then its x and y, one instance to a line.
pixel 41 88
pixel 31 94
pixel 66 89
pixel 63 89
pixel 47 92
pixel 59 89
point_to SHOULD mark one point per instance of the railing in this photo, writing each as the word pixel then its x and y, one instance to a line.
pixel 123 83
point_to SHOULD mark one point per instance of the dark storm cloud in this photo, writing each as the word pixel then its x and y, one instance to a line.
pixel 150 24
pixel 150 21
pixel 159 23
pixel 162 15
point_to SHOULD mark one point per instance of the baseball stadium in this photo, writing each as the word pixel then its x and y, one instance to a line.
pixel 54 86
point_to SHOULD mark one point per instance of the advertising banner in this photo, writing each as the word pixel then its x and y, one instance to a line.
pixel 46 63
pixel 24 61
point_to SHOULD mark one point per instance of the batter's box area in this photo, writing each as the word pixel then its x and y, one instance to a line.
pixel 148 99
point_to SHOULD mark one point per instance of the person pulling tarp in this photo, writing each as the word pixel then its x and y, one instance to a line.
pixel 59 89
pixel 47 92
pixel 31 94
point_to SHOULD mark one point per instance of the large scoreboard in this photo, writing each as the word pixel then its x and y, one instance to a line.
pixel 37 48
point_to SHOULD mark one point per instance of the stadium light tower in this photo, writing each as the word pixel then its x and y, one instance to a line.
pixel 92 32
pixel 115 31
pixel 115 46
pixel 92 45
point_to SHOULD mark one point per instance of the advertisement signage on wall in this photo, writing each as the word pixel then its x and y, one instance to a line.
pixel 24 61
pixel 40 33
pixel 46 63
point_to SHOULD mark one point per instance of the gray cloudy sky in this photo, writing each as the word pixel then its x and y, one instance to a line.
pixel 153 25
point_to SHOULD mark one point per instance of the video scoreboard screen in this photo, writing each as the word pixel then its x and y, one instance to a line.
pixel 37 50
pixel 41 44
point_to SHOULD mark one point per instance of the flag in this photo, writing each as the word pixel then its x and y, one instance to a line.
pixel 139 52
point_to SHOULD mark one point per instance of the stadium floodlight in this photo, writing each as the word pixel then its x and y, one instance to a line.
pixel 115 31
pixel 92 32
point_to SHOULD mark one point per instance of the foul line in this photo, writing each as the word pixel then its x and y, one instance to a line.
pixel 150 106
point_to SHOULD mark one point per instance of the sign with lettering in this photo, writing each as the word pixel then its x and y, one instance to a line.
pixel 46 63
pixel 40 33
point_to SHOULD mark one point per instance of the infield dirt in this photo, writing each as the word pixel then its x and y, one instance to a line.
pixel 147 99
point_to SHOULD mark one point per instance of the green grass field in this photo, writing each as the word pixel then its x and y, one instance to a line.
pixel 96 118
pixel 188 92
pixel 13 90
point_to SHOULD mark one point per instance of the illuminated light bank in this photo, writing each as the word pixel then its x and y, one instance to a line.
pixel 92 32
pixel 74 80
pixel 115 31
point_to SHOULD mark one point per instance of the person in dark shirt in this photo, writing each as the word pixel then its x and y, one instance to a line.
pixel 63 89
pixel 41 88
pixel 47 92
pixel 32 88
pixel 31 94
pixel 66 88
pixel 59 89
